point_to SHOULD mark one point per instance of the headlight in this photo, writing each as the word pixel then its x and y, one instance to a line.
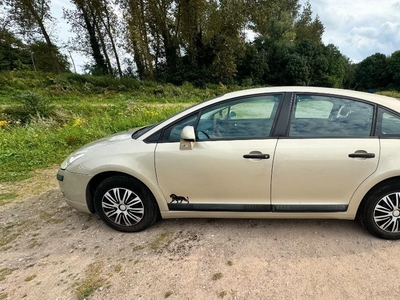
pixel 70 159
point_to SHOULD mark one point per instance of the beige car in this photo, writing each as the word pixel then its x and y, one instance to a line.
pixel 281 152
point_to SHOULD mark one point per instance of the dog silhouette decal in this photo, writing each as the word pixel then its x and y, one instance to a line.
pixel 178 199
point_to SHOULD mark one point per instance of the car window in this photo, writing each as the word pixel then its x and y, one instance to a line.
pixel 390 124
pixel 250 117
pixel 173 132
pixel 322 116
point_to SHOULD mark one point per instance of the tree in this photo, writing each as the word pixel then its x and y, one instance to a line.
pixel 40 53
pixel 372 72
pixel 84 21
pixel 224 33
pixel 394 69
pixel 306 28
pixel 273 18
pixel 137 37
pixel 30 16
pixel 253 66
pixel 13 52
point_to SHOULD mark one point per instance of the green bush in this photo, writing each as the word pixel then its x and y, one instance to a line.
pixel 30 106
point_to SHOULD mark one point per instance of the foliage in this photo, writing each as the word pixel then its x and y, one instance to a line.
pixel 303 63
pixel 378 71
pixel 31 106
pixel 94 23
pixel 13 52
pixel 45 142
pixel 32 17
pixel 69 110
pixel 40 53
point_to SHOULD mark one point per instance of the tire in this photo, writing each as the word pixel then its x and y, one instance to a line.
pixel 381 212
pixel 125 204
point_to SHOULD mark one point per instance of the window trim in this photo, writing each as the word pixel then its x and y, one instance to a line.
pixel 378 128
pixel 238 99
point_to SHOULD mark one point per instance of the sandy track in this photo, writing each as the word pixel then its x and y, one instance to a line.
pixel 48 250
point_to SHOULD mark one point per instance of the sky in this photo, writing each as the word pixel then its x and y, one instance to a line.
pixel 359 28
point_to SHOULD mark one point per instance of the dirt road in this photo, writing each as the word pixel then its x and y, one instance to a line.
pixel 49 251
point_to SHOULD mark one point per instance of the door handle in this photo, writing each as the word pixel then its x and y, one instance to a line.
pixel 256 156
pixel 362 155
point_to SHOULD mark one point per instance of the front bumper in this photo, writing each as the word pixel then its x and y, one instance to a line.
pixel 73 186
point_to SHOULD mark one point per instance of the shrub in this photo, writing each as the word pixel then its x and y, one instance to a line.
pixel 31 106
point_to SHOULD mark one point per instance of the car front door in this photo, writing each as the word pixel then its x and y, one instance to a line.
pixel 328 152
pixel 229 166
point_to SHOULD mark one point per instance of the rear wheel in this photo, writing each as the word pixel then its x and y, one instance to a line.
pixel 381 213
pixel 125 204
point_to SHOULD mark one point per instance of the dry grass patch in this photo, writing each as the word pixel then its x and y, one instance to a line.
pixel 5 272
pixel 3 296
pixel 217 276
pixel 161 239
pixel 30 278
pixel 167 294
pixel 222 294
pixel 91 282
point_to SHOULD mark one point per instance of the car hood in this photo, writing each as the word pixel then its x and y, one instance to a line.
pixel 112 139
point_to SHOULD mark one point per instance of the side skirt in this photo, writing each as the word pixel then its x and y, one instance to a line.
pixel 256 207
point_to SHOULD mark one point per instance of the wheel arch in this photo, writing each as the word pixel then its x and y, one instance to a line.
pixel 387 181
pixel 100 177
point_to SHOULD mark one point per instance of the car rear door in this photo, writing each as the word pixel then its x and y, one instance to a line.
pixel 328 152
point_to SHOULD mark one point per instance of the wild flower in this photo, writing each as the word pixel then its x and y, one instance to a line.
pixel 3 123
pixel 78 122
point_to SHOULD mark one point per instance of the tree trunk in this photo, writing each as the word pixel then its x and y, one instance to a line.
pixel 103 46
pixel 110 35
pixel 97 56
pixel 45 35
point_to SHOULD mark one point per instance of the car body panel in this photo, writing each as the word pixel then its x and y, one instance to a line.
pixel 72 186
pixel 210 173
pixel 320 171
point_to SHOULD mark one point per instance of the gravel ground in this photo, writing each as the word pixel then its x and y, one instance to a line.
pixel 50 251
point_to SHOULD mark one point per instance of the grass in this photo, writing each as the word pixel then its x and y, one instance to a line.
pixel 44 143
pixel 394 94
pixel 167 294
pixel 117 268
pixel 217 276
pixel 7 197
pixel 163 237
pixel 91 282
pixel 222 294
pixel 31 277
pixel 7 237
pixel 5 272
pixel 78 110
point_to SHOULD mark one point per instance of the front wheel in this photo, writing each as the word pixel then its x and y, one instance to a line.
pixel 125 204
pixel 381 213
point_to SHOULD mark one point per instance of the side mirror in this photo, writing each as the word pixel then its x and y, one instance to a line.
pixel 188 138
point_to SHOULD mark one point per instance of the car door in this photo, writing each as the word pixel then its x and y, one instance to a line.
pixel 229 167
pixel 328 152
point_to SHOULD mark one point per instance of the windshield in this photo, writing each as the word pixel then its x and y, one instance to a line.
pixel 138 133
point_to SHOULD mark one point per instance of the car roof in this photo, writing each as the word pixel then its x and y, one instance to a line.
pixel 389 102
